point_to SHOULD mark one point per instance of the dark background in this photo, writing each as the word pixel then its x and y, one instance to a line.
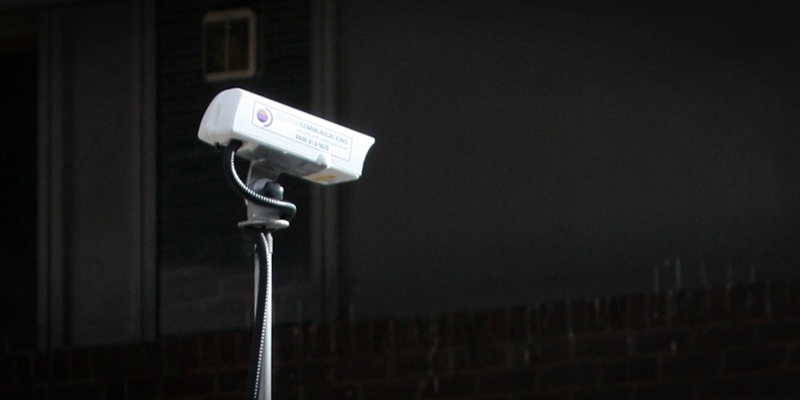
pixel 565 199
pixel 525 152
pixel 530 151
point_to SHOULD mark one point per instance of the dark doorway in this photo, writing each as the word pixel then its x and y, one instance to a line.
pixel 18 113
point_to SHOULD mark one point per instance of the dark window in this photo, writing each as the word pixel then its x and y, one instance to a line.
pixel 229 44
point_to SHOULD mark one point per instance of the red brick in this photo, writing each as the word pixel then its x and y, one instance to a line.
pixel 757 358
pixel 393 389
pixel 601 345
pixel 508 381
pixel 552 350
pixel 639 310
pixel 535 322
pixel 555 319
pixel 635 369
pixel 18 392
pixel 416 333
pixel 323 391
pixel 61 362
pixel 419 363
pixel 40 367
pixel 616 349
pixel 580 313
pixel 569 376
pixel 208 351
pixel 115 389
pixel 609 393
pixel 597 314
pixel 438 331
pixel 560 395
pixel 794 358
pixel 288 342
pixel 778 299
pixel 79 364
pixel 727 388
pixel 610 313
pixel 780 331
pixel 122 361
pixel 233 380
pixel 618 313
pixel 321 338
pixel 237 396
pixel 520 355
pixel 23 369
pixel 480 358
pixel 343 337
pixel 288 373
pixel 180 355
pixel 719 303
pixel 519 323
pixel 759 299
pixel 187 384
pixel 459 330
pixel 243 347
pixel 786 384
pixel 740 302
pixel 691 365
pixel 281 392
pixel 793 294
pixel 110 362
pixel 662 309
pixel 7 375
pixel 77 390
pixel 642 369
pixel 457 386
pixel 362 336
pixel 691 307
pixel 614 372
pixel 661 341
pixel 665 390
pixel 491 326
pixel 358 367
pixel 315 370
pixel 402 335
pixel 228 343
pixel 725 335
pixel 382 335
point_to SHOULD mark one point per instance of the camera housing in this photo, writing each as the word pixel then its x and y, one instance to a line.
pixel 285 139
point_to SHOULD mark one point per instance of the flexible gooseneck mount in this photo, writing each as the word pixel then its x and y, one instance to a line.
pixel 266 213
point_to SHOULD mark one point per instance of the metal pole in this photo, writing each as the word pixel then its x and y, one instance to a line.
pixel 265 383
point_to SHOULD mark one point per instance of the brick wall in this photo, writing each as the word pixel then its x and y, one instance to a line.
pixel 741 341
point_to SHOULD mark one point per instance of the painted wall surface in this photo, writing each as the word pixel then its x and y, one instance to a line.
pixel 528 152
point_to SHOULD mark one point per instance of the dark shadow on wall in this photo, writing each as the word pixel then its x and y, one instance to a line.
pixel 18 107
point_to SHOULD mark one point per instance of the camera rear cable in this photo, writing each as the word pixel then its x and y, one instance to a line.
pixel 259 380
pixel 286 208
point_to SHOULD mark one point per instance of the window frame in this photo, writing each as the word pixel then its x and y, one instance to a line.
pixel 226 16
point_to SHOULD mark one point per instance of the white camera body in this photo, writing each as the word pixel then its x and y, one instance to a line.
pixel 287 140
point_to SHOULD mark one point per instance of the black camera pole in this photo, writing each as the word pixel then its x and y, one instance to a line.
pixel 266 213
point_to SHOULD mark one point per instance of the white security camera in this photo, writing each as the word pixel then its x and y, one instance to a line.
pixel 275 139
pixel 287 140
